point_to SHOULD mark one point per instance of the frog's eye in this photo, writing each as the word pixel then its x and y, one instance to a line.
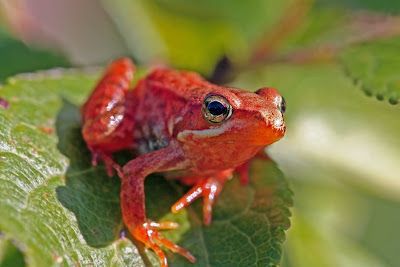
pixel 282 106
pixel 216 109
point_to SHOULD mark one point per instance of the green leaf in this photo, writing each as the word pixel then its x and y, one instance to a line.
pixel 16 57
pixel 64 211
pixel 10 255
pixel 59 213
pixel 374 66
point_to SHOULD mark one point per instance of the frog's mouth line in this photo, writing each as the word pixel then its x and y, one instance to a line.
pixel 258 138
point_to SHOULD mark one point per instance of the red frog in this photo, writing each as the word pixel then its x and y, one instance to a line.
pixel 179 122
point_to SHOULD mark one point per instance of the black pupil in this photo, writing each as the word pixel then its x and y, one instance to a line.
pixel 216 108
pixel 283 105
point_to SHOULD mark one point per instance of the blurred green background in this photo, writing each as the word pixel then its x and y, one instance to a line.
pixel 341 153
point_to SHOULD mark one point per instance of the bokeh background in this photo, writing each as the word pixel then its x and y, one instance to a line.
pixel 341 153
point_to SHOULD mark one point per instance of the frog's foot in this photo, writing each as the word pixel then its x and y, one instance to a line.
pixel 148 235
pixel 108 161
pixel 209 188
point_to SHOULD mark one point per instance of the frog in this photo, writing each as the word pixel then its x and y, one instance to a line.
pixel 183 126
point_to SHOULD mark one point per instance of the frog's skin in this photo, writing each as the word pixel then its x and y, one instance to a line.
pixel 167 119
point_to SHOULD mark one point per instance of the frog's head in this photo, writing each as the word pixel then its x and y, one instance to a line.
pixel 232 116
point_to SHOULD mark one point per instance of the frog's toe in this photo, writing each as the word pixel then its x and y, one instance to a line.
pixel 209 189
pixel 164 225
pixel 108 161
pixel 148 235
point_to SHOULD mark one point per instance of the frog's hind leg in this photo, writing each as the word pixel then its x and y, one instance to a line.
pixel 209 188
pixel 105 116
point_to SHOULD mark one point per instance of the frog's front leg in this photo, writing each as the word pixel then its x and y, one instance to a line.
pixel 105 115
pixel 133 200
pixel 210 187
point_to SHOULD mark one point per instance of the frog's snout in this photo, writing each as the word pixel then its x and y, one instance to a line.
pixel 276 122
pixel 277 107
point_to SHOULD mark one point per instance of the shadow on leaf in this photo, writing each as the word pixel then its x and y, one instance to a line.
pixel 89 193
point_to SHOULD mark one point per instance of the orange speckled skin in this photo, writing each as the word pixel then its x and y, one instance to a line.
pixel 162 119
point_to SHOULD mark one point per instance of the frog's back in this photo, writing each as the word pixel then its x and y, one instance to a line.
pixel 160 99
pixel 184 84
